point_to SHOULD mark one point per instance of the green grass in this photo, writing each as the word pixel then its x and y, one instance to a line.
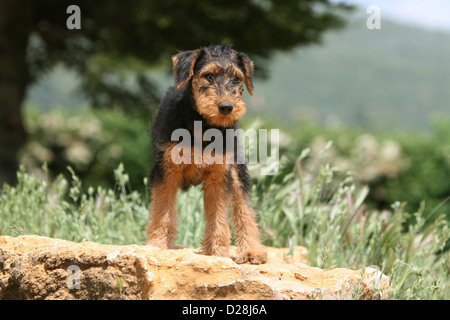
pixel 318 208
pixel 61 210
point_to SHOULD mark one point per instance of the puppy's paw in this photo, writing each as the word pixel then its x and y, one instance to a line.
pixel 158 243
pixel 251 256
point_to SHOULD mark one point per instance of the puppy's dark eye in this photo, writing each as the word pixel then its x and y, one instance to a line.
pixel 209 77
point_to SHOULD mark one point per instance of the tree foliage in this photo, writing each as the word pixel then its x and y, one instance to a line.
pixel 119 41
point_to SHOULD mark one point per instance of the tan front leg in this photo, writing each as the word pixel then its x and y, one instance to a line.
pixel 250 249
pixel 162 228
pixel 216 199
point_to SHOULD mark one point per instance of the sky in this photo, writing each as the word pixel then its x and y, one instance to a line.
pixel 431 14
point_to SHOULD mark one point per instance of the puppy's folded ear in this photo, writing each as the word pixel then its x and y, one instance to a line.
pixel 247 67
pixel 183 66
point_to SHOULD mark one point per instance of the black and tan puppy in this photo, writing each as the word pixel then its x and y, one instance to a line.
pixel 208 88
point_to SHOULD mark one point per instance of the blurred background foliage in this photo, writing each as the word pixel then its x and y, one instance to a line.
pixel 411 168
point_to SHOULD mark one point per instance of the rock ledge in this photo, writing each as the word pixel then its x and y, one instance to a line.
pixel 35 267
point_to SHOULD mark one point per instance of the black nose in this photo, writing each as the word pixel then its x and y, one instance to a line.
pixel 225 107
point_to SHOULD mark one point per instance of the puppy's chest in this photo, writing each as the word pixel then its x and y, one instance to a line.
pixel 193 174
pixel 194 164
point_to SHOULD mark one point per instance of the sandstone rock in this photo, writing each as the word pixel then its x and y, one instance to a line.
pixel 34 267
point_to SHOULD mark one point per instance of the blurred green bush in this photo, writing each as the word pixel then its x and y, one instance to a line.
pixel 93 143
pixel 406 167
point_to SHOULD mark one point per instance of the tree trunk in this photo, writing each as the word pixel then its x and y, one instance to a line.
pixel 14 77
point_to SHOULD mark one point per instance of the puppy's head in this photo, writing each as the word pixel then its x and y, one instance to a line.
pixel 216 74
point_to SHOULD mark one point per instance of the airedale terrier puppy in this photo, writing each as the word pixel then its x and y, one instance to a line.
pixel 208 88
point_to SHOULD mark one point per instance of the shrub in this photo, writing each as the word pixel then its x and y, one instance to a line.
pixel 410 168
pixel 92 143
